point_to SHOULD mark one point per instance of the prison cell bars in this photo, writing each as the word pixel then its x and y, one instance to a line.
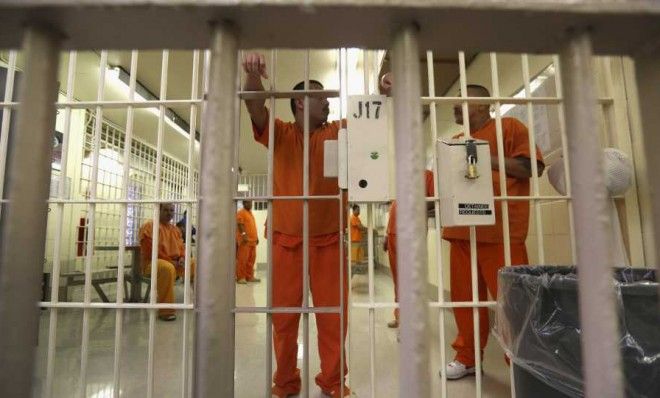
pixel 55 281
pixel 414 361
pixel 91 217
pixel 602 370
pixel 24 222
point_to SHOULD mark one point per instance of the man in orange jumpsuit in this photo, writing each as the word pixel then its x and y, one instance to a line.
pixel 287 249
pixel 356 235
pixel 171 257
pixel 390 244
pixel 490 247
pixel 246 244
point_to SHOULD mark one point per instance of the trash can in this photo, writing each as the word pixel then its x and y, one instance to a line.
pixel 539 325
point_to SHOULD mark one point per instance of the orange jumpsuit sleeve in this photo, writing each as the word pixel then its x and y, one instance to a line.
pixel 262 136
pixel 517 141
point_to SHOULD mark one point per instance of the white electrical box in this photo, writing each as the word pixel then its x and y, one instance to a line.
pixel 368 148
pixel 465 183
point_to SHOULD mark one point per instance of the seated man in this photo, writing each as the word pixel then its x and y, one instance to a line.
pixel 171 257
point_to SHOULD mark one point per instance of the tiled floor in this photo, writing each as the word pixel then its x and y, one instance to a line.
pixel 251 375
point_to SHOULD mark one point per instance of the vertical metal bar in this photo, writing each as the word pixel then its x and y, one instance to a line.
pixel 566 158
pixel 155 235
pixel 648 81
pixel 24 221
pixel 305 292
pixel 269 226
pixel 91 225
pixel 600 351
pixel 372 310
pixel 215 292
pixel 6 119
pixel 191 194
pixel 473 230
pixel 535 169
pixel 55 273
pixel 436 235
pixel 128 141
pixel 345 356
pixel 504 204
pixel 413 361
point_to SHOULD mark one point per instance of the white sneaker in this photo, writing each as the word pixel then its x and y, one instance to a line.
pixel 456 370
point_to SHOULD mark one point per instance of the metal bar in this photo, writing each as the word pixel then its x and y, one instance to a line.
pixel 414 360
pixel 432 304
pixel 55 272
pixel 91 226
pixel 473 231
pixel 269 227
pixel 600 350
pixel 289 197
pixel 535 169
pixel 194 93
pixel 297 94
pixel 305 276
pixel 436 235
pixel 155 235
pixel 566 158
pixel 648 78
pixel 24 220
pixel 372 313
pixel 286 310
pixel 287 94
pixel 128 140
pixel 6 120
pixel 505 100
pixel 139 306
pixel 214 333
pixel 345 354
pixel 119 201
pixel 137 104
pixel 501 165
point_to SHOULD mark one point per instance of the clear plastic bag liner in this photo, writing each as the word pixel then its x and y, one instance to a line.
pixel 538 324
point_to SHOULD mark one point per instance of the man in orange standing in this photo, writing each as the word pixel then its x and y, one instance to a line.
pixel 287 250
pixel 246 244
pixel 356 235
pixel 171 257
pixel 391 247
pixel 490 246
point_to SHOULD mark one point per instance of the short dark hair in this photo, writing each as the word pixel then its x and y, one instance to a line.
pixel 301 86
pixel 482 90
pixel 356 207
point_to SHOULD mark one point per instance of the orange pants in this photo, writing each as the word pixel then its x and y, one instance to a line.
pixel 356 252
pixel 287 292
pixel 167 274
pixel 391 254
pixel 490 258
pixel 245 258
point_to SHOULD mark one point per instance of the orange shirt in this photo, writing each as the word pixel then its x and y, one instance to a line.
pixel 391 222
pixel 170 242
pixel 246 218
pixel 516 143
pixel 356 228
pixel 288 179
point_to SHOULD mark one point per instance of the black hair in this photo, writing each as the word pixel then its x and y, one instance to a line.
pixel 356 207
pixel 482 90
pixel 301 86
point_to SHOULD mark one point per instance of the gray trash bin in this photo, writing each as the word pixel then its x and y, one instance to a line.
pixel 539 325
